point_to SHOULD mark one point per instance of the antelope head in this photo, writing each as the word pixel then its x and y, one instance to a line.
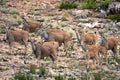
pixel 43 33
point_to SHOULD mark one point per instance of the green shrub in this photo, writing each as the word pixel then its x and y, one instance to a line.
pixel 84 77
pixel 114 17
pixel 2 2
pixel 4 10
pixel 19 21
pixel 117 59
pixel 88 4
pixel 34 35
pixel 14 11
pixel 71 78
pixel 104 3
pixel 23 76
pixel 65 5
pixel 32 70
pixel 1 29
pixel 59 77
pixel 97 76
pixel 42 71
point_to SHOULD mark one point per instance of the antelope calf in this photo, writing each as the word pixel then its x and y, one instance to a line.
pixel 16 36
pixel 31 26
pixel 92 52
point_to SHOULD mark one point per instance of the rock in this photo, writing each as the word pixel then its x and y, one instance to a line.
pixel 117 26
pixel 81 13
pixel 114 8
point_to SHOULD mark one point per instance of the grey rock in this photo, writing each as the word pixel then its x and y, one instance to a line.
pixel 114 8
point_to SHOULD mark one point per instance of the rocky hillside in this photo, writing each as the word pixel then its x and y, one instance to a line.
pixel 70 66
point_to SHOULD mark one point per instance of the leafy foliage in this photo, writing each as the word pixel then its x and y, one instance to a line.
pixel 2 2
pixel 14 11
pixel 88 4
pixel 65 5
pixel 114 17
pixel 4 10
pixel 59 77
pixel 32 70
pixel 42 71
pixel 71 78
pixel 23 76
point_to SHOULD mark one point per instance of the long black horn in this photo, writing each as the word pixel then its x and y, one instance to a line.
pixel 25 23
pixel 33 47
pixel 7 32
pixel 78 36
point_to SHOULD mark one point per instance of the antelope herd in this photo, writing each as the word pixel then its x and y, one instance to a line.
pixel 53 38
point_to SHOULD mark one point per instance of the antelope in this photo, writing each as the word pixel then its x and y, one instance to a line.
pixel 46 49
pixel 16 36
pixel 88 44
pixel 85 38
pixel 60 36
pixel 110 43
pixel 31 26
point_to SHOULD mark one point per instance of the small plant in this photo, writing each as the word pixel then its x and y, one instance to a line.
pixel 91 4
pixel 88 4
pixel 59 77
pixel 15 16
pixel 34 35
pixel 71 78
pixel 23 76
pixel 84 77
pixel 1 30
pixel 105 3
pixel 47 59
pixel 2 2
pixel 97 76
pixel 117 59
pixel 32 70
pixel 83 21
pixel 68 5
pixel 114 17
pixel 4 10
pixel 14 11
pixel 42 71
pixel 19 21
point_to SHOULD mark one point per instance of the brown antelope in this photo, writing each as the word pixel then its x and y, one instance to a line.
pixel 85 38
pixel 46 49
pixel 110 43
pixel 31 26
pixel 60 36
pixel 16 36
